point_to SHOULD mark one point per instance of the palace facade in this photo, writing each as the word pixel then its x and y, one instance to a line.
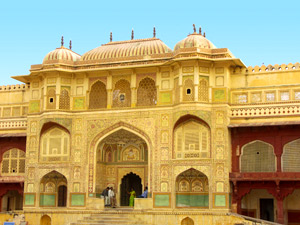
pixel 207 135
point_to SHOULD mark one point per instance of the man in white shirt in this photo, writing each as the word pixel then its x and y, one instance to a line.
pixel 112 197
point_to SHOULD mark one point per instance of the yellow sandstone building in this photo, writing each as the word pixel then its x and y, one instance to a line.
pixel 193 124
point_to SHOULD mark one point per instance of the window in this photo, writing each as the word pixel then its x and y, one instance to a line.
pixel 258 156
pixel 55 145
pixel 192 140
pixel 13 162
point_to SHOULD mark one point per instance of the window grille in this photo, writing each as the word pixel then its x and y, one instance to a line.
pixel 13 162
pixel 146 93
pixel 98 96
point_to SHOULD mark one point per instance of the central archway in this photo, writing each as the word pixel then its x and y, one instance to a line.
pixel 120 154
pixel 129 181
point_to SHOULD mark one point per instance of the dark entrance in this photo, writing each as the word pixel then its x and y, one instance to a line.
pixel 129 181
pixel 267 209
pixel 62 195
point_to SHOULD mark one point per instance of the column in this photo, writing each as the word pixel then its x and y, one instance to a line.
pixel 280 217
pixel 180 84
pixel 133 89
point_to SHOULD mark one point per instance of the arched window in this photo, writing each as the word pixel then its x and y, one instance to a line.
pixel 55 192
pixel 146 93
pixel 192 140
pixel 51 99
pixel 203 90
pixel 98 96
pixel 291 157
pixel 122 94
pixel 13 162
pixel 188 90
pixel 64 99
pixel 55 145
pixel 192 189
pixel 258 156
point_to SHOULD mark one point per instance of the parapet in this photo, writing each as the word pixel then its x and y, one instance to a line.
pixel 274 68
pixel 14 87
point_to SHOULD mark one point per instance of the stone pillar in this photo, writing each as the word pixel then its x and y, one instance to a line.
pixel 180 85
pixel 280 216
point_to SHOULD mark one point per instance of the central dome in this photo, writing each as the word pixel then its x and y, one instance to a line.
pixel 194 40
pixel 127 49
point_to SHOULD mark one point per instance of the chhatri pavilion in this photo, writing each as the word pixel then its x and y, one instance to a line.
pixel 214 141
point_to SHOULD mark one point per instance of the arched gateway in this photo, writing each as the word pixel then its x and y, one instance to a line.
pixel 122 163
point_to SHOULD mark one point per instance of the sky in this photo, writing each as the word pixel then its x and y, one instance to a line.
pixel 257 32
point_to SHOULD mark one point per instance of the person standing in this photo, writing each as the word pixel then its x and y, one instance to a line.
pixel 132 196
pixel 106 198
pixel 112 197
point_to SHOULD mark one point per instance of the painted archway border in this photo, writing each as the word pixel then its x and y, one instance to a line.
pixel 104 133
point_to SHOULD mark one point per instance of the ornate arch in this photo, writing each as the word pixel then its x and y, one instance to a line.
pixel 103 134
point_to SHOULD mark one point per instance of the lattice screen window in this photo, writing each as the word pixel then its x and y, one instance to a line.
pixel 284 96
pixel 146 93
pixel 270 96
pixel 51 99
pixel 64 99
pixel 122 94
pixel 297 95
pixel 188 90
pixel 291 157
pixel 192 140
pixel 255 97
pixel 98 96
pixel 55 145
pixel 258 156
pixel 177 91
pixel 240 98
pixel 13 162
pixel 203 90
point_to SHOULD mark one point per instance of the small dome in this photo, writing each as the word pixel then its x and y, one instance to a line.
pixel 194 40
pixel 124 49
pixel 61 54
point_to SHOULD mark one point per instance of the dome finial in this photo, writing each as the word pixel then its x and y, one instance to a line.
pixel 204 34
pixel 200 31
pixel 132 34
pixel 110 38
pixel 70 46
pixel 62 40
pixel 154 32
pixel 194 28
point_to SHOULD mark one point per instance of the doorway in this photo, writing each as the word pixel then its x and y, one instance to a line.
pixel 45 220
pixel 62 196
pixel 129 181
pixel 267 209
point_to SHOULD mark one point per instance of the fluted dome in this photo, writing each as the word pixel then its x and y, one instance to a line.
pixel 119 50
pixel 61 54
pixel 194 40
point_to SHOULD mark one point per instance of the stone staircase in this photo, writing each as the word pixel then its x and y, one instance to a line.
pixel 110 217
pixel 104 219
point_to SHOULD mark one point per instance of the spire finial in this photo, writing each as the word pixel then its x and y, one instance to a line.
pixel 200 31
pixel 154 32
pixel 110 38
pixel 194 28
pixel 132 34
pixel 70 46
pixel 62 40
pixel 204 34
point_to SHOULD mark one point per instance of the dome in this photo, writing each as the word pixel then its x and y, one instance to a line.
pixel 127 49
pixel 61 54
pixel 194 40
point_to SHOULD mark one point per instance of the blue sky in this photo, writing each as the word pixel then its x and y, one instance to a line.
pixel 255 31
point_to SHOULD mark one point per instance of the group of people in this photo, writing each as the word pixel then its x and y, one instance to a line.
pixel 110 196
